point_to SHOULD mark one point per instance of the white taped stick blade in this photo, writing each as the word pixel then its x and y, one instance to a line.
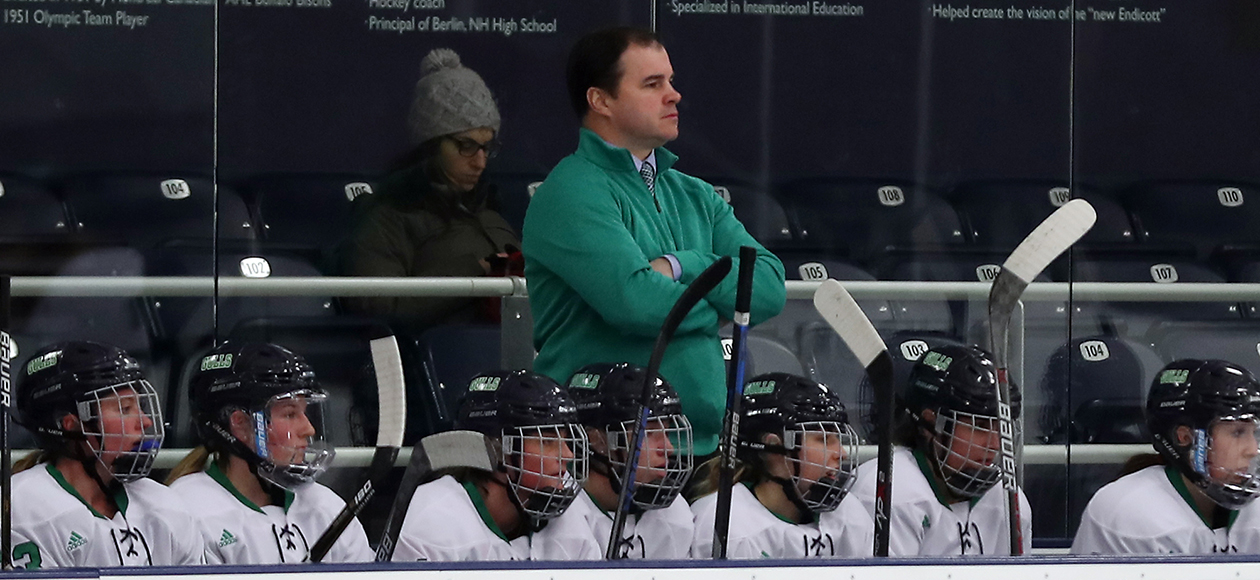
pixel 1050 238
pixel 391 390
pixel 457 449
pixel 844 316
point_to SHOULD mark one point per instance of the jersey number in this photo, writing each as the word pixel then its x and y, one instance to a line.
pixel 29 551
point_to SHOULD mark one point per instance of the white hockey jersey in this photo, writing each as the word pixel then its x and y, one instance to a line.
pixel 923 523
pixel 1151 512
pixel 447 521
pixel 53 527
pixel 235 530
pixel 756 532
pixel 660 534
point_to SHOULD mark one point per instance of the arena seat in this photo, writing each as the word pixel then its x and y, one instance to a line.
pixel 514 191
pixel 188 323
pixel 1134 319
pixel 149 210
pixel 1204 214
pixel 35 232
pixel 765 355
pixel 862 218
pixel 905 347
pixel 451 356
pixel 1237 341
pixel 760 213
pixel 305 212
pixel 999 214
pixel 1093 390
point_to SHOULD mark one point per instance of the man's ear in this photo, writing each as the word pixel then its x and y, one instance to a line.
pixel 597 100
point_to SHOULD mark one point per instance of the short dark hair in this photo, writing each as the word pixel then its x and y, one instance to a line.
pixel 594 61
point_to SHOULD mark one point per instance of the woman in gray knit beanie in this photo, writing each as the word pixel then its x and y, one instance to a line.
pixel 435 215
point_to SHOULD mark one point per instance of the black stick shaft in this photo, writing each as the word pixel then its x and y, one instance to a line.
pixel 699 287
pixel 880 371
pixel 734 398
pixel 6 393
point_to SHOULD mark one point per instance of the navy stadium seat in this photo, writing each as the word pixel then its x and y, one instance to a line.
pixel 123 321
pixel 149 210
pixel 905 347
pixel 451 356
pixel 862 219
pixel 514 191
pixel 760 214
pixel 1134 319
pixel 305 211
pixel 1236 341
pixel 999 214
pixel 765 355
pixel 1207 215
pixel 35 233
pixel 189 322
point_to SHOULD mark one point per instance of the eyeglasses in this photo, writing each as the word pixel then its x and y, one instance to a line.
pixel 468 147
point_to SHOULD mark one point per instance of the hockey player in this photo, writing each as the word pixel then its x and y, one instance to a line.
pixel 257 409
pixel 1197 495
pixel 524 509
pixel 659 526
pixel 83 499
pixel 944 498
pixel 797 453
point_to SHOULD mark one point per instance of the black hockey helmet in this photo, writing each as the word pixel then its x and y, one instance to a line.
pixel 959 385
pixel 607 397
pixel 796 408
pixel 252 378
pixel 536 424
pixel 609 393
pixel 1196 394
pixel 958 378
pixel 77 378
pixel 507 399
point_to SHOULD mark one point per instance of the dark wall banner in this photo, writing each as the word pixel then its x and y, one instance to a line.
pixel 325 85
pixel 96 84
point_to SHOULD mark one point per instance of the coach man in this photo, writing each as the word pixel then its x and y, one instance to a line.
pixel 615 233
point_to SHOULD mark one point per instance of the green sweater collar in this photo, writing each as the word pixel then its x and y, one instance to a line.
pixel 120 497
pixel 611 158
pixel 217 474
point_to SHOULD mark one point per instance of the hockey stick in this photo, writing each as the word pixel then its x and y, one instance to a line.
pixel 438 451
pixel 6 392
pixel 1049 239
pixel 734 398
pixel 699 287
pixel 844 316
pixel 392 400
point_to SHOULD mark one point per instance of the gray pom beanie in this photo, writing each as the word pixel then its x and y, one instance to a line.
pixel 449 98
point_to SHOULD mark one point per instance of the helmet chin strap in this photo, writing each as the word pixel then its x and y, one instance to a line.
pixel 789 488
pixel 532 524
pixel 602 464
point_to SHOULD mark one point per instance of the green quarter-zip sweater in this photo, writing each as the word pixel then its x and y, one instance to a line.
pixel 590 232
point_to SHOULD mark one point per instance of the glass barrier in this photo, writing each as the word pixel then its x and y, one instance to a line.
pixel 176 174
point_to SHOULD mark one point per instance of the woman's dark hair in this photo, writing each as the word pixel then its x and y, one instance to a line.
pixel 595 60
pixel 421 162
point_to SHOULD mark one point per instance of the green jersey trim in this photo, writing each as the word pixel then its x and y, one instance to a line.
pixel 120 497
pixel 222 479
pixel 1179 484
pixel 928 473
pixel 480 503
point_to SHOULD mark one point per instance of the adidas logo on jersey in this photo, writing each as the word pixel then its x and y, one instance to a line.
pixel 76 541
pixel 227 539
